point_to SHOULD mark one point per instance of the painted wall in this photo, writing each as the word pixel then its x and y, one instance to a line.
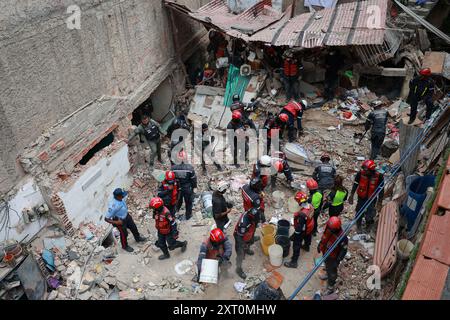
pixel 87 199
pixel 28 196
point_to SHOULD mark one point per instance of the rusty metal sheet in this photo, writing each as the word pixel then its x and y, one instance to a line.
pixel 435 61
pixel 427 280
pixel 292 32
pixel 384 254
pixel 367 24
pixel 342 25
pixel 269 34
pixel 437 245
pixel 317 30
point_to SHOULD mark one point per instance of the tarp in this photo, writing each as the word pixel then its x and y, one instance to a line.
pixel 236 84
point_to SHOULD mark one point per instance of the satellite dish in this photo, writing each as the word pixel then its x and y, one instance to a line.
pixel 246 70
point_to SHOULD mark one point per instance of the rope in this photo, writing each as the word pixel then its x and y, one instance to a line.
pixel 392 173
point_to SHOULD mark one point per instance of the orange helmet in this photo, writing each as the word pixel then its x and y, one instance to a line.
pixel 283 117
pixel 278 165
pixel 156 203
pixel 216 235
pixel 425 72
pixel 369 165
pixel 312 184
pixel 301 197
pixel 334 223
pixel 236 115
pixel 170 176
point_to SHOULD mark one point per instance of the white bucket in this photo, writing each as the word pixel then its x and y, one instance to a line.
pixel 404 248
pixel 210 271
pixel 276 255
pixel 278 199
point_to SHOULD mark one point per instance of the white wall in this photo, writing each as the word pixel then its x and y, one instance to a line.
pixel 87 199
pixel 28 196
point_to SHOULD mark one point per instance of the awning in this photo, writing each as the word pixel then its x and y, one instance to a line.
pixel 346 24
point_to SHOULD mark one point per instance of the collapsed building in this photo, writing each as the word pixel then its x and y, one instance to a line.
pixel 70 99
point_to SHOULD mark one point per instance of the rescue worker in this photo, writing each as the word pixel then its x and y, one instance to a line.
pixel 220 206
pixel 366 183
pixel 215 247
pixel 294 111
pixel 281 165
pixel 180 122
pixel 303 228
pixel 151 131
pixel 275 125
pixel 290 76
pixel 207 140
pixel 333 231
pixel 237 125
pixel 119 217
pixel 187 182
pixel 337 197
pixel 245 110
pixel 244 237
pixel 377 120
pixel 168 191
pixel 208 75
pixel 261 170
pixel 324 173
pixel 316 200
pixel 333 62
pixel 166 225
pixel 173 143
pixel 421 88
pixel 253 197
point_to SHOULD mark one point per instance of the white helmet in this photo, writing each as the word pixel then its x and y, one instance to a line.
pixel 304 103
pixel 266 160
pixel 222 186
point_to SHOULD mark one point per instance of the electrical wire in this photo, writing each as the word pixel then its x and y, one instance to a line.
pixel 391 174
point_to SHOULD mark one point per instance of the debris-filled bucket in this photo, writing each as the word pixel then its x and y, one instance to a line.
pixel 283 227
pixel 404 248
pixel 276 255
pixel 210 271
pixel 207 203
pixel 266 242
pixel 267 230
pixel 285 243
pixel 278 199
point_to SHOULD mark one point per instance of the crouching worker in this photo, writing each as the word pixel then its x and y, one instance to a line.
pixel 166 226
pixel 303 228
pixel 217 247
pixel 333 231
pixel 244 237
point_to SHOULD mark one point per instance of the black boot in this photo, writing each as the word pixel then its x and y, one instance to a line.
pixel 164 256
pixel 305 247
pixel 218 167
pixel 249 251
pixel 291 264
pixel 141 239
pixel 128 249
pixel 241 273
pixel 183 248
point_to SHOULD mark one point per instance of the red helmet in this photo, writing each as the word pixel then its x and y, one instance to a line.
pixel 156 203
pixel 301 197
pixel 312 184
pixel 283 117
pixel 170 175
pixel 334 223
pixel 325 156
pixel 216 235
pixel 236 115
pixel 278 165
pixel 369 165
pixel 425 72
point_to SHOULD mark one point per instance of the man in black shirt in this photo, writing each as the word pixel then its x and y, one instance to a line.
pixel 221 207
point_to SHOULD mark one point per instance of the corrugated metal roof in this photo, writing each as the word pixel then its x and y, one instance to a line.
pixel 346 24
pixel 426 281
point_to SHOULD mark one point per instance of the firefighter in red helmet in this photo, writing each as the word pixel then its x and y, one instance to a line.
pixel 367 180
pixel 303 228
pixel 333 230
pixel 237 125
pixel 166 226
pixel 421 88
pixel 168 191
pixel 217 247
pixel 275 126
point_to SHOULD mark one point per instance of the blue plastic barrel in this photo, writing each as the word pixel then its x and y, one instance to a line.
pixel 417 192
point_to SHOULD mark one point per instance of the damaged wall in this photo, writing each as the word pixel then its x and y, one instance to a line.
pixel 48 71
pixel 28 196
pixel 87 199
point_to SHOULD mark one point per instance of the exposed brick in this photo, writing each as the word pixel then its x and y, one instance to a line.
pixel 43 156
pixel 58 145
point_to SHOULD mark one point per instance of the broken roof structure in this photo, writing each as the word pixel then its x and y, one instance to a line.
pixel 346 24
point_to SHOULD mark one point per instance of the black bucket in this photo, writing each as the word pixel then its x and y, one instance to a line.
pixel 283 227
pixel 285 243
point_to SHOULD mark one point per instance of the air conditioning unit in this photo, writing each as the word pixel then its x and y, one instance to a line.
pixel 246 70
